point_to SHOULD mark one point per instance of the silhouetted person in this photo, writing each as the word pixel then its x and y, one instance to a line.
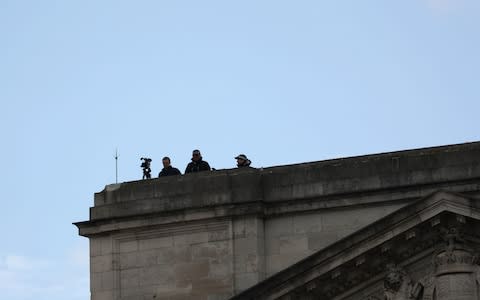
pixel 242 161
pixel 197 164
pixel 168 170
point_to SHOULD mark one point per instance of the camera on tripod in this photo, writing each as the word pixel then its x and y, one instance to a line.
pixel 146 167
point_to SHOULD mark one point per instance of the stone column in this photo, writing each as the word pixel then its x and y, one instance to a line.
pixel 455 271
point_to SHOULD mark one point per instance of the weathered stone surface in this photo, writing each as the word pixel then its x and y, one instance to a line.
pixel 214 234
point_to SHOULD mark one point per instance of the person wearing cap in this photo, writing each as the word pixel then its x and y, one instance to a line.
pixel 168 170
pixel 242 161
pixel 197 164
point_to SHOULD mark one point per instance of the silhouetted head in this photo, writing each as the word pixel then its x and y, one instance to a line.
pixel 166 161
pixel 196 155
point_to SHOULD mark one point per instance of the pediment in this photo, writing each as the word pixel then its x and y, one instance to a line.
pixel 416 230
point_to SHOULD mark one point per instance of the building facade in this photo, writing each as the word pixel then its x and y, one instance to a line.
pixel 400 225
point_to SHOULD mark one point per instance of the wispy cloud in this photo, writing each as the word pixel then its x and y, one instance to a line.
pixel 25 278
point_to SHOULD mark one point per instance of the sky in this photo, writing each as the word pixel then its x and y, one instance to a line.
pixel 284 82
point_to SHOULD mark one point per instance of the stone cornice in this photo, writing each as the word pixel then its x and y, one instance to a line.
pixel 162 219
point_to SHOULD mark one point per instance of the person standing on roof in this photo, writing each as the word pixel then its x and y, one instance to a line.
pixel 242 161
pixel 197 164
pixel 168 170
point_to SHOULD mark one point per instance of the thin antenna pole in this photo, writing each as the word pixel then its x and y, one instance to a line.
pixel 116 165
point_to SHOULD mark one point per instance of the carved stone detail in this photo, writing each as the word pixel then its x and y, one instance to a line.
pixel 399 286
pixel 455 256
pixel 455 269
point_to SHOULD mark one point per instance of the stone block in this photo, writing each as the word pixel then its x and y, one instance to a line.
pixel 254 227
pixel 221 270
pixel 95 282
pixel 128 246
pixel 220 296
pixel 190 239
pixel 286 244
pixel 339 219
pixel 107 279
pixel 239 230
pixel 306 223
pixel 130 279
pixel 133 297
pixel 187 273
pixel 182 297
pixel 209 286
pixel 106 244
pixel 249 263
pixel 95 247
pixel 293 244
pixel 219 235
pixel 101 245
pixel 272 245
pixel 155 243
pixel 103 281
pixel 253 263
pixel 128 260
pixel 245 280
pixel 320 240
pixel 182 254
pixel 276 263
pixel 160 275
pixel 213 250
pixel 133 293
pixel 102 263
pixel 103 295
pixel 279 226
pixel 148 257
pixel 239 264
pixel 168 255
pixel 246 245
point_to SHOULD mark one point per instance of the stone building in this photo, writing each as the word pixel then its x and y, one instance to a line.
pixel 395 226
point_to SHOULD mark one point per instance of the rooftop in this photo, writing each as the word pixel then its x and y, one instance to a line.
pixel 282 189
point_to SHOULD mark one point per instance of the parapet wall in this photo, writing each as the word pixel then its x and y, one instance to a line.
pixel 324 179
pixel 213 234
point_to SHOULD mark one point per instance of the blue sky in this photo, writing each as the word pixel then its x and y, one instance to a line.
pixel 281 81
